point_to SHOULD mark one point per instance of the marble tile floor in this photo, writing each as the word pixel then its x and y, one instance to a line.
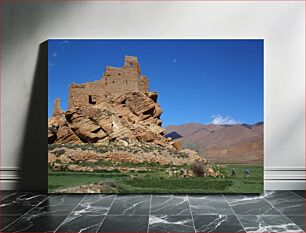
pixel 273 211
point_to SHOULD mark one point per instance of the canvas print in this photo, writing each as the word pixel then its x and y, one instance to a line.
pixel 155 116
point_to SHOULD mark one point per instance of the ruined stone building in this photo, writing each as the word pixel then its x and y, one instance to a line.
pixel 114 81
pixel 118 106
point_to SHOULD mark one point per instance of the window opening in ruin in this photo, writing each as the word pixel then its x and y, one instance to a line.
pixel 131 65
pixel 91 100
pixel 113 81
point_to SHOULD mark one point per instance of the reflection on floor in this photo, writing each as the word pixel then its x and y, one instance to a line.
pixel 274 211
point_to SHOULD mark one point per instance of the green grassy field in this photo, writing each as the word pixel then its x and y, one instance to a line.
pixel 156 181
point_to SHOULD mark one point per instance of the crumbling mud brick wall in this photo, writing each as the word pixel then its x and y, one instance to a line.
pixel 114 81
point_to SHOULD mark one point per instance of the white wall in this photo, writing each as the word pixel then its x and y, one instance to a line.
pixel 280 24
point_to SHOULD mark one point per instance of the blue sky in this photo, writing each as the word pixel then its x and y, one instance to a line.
pixel 201 81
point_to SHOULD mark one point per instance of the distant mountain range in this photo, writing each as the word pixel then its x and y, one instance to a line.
pixel 237 144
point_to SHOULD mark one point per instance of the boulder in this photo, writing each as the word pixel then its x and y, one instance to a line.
pixel 177 145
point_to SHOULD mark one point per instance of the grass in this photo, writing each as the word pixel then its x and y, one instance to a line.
pixel 64 180
pixel 151 184
pixel 242 184
pixel 157 182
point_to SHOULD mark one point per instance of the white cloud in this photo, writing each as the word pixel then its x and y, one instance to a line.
pixel 226 120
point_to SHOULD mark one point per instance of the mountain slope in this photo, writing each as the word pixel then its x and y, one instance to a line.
pixel 241 144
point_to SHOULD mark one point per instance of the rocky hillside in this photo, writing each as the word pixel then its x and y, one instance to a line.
pixel 130 117
pixel 242 144
pixel 131 120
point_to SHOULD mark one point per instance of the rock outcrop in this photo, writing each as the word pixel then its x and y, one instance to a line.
pixel 131 117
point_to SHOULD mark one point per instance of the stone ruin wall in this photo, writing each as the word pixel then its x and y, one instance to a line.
pixel 114 81
pixel 57 107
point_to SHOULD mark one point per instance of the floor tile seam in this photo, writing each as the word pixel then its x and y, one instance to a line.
pixel 7 196
pixel 26 213
pixel 276 198
pixel 149 213
pixel 40 214
pixel 282 214
pixel 191 215
pixel 24 202
pixel 84 214
pixel 264 215
pixel 274 206
pixel 63 205
pixel 297 194
pixel 224 203
pixel 298 215
pixel 214 214
pixel 228 204
pixel 127 215
pixel 161 206
pixel 234 213
pixel 69 214
pixel 102 221
pixel 213 203
pixel 265 200
pixel 285 202
pixel 169 215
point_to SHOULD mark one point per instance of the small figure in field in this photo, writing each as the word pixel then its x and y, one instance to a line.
pixel 233 172
pixel 246 172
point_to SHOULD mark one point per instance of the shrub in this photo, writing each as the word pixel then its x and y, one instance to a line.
pixel 59 152
pixel 182 155
pixel 198 168
pixel 102 150
pixel 109 183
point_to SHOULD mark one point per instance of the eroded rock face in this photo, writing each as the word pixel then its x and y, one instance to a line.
pixel 60 132
pixel 134 117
